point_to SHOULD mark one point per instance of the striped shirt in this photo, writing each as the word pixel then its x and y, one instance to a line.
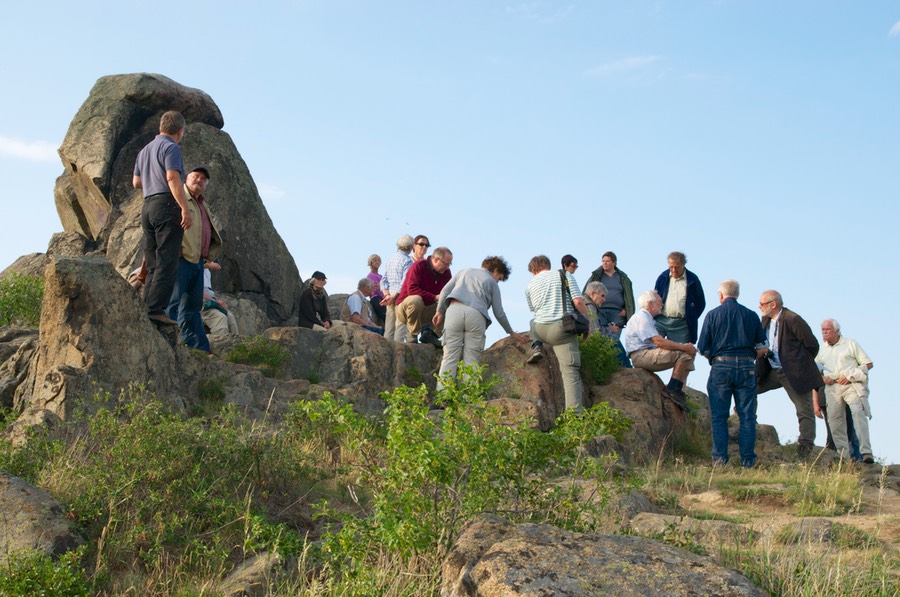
pixel 545 296
pixel 395 270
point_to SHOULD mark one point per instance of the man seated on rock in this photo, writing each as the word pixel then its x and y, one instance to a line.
pixel 216 315
pixel 648 350
pixel 358 310
pixel 417 302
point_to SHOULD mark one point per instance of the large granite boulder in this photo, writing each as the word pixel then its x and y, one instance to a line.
pixel 95 197
pixel 639 395
pixel 358 363
pixel 94 335
pixel 31 519
pixel 493 557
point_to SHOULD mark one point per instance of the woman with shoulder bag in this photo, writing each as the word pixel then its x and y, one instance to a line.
pixel 547 298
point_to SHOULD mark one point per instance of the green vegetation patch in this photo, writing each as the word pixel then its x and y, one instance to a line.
pixel 21 297
pixel 599 357
pixel 260 352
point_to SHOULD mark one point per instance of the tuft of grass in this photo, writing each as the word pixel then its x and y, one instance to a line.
pixel 260 352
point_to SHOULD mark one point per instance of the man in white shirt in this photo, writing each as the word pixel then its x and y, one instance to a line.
pixel 648 350
pixel 845 370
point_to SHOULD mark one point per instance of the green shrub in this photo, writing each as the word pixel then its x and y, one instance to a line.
pixel 427 474
pixel 260 352
pixel 36 573
pixel 27 461
pixel 21 297
pixel 599 357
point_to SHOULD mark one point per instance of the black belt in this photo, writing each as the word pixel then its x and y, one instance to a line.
pixel 733 359
pixel 155 195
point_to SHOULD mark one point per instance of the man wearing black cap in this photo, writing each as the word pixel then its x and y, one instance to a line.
pixel 201 244
pixel 314 304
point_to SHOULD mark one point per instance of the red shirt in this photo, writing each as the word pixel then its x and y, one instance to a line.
pixel 424 281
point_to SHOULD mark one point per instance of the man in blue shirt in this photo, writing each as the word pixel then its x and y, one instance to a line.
pixel 732 339
pixel 159 172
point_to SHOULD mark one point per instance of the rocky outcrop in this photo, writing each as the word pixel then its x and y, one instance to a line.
pixel 712 534
pixel 638 394
pixel 95 336
pixel 253 577
pixel 358 363
pixel 17 347
pixel 493 557
pixel 32 520
pixel 96 200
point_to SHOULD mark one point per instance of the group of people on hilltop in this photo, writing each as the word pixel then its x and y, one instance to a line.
pixel 419 300
pixel 748 355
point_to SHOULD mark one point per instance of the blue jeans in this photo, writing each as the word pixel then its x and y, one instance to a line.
pixel 727 379
pixel 187 302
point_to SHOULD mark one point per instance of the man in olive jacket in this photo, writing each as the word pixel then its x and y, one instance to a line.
pixel 790 363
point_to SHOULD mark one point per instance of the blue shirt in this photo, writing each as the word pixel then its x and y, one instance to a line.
pixel 732 330
pixel 155 158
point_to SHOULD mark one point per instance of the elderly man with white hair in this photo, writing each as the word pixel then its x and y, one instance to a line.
pixel 845 369
pixel 648 350
pixel 358 310
pixel 732 339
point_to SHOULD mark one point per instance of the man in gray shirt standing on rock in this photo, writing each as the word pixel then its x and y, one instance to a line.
pixel 159 172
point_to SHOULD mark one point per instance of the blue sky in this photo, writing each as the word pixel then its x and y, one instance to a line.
pixel 760 138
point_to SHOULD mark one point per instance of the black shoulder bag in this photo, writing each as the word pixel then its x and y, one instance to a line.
pixel 575 322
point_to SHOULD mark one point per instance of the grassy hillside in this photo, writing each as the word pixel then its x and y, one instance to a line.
pixel 170 502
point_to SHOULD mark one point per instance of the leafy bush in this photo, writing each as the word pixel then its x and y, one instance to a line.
pixel 21 297
pixel 27 462
pixel 260 352
pixel 599 357
pixel 36 573
pixel 426 475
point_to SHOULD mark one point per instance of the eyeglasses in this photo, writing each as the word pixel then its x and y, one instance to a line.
pixel 426 245
pixel 447 263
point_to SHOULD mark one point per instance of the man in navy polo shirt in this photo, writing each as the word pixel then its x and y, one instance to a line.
pixel 159 172
pixel 732 339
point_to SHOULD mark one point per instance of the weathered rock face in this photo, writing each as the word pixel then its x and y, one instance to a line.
pixel 17 347
pixel 95 197
pixel 712 534
pixel 94 335
pixel 539 385
pixel 118 109
pixel 358 363
pixel 493 557
pixel 31 519
pixel 638 394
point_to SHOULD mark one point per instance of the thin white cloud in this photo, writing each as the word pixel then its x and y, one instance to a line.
pixel 895 30
pixel 620 66
pixel 540 12
pixel 271 192
pixel 34 151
